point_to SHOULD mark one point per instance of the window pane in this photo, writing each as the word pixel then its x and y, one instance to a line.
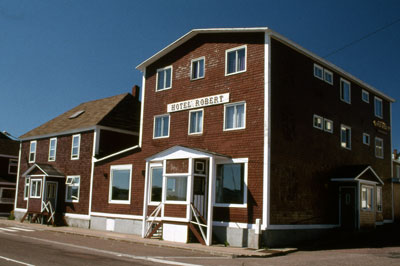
pixel 240 116
pixel 241 59
pixel 160 81
pixel 231 62
pixel 76 141
pixel 193 122
pixel 195 69
pixel 165 125
pixel 120 184
pixel 177 188
pixel 33 146
pixel 156 184
pixel 229 116
pixel 168 78
pixel 230 183
pixel 201 68
pixel 157 127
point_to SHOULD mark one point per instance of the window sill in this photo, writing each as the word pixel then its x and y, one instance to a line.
pixel 119 202
pixel 233 129
pixel 227 205
pixel 192 79
pixel 234 73
pixel 157 90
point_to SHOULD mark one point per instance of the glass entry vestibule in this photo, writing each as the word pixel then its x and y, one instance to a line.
pixel 179 187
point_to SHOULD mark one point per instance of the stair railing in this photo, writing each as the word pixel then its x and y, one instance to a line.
pixel 151 218
pixel 49 208
pixel 198 216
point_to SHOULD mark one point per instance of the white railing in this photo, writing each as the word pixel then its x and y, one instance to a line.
pixel 196 215
pixel 151 218
pixel 49 208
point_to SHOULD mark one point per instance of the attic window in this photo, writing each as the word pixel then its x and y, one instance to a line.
pixel 75 115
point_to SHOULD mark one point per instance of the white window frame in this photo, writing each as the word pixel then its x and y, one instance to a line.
pixel 376 99
pixel 365 93
pixel 34 196
pixel 326 71
pixel 165 80
pixel 165 188
pixel 9 200
pixel 69 183
pixel 326 122
pixel 154 166
pixel 79 147
pixel 316 125
pixel 202 121
pixel 235 49
pixel 26 188
pixel 379 199
pixel 319 68
pixel 366 200
pixel 32 152
pixel 344 127
pixel 196 60
pixel 12 162
pixel 154 125
pixel 235 114
pixel 379 148
pixel 366 136
pixel 50 149
pixel 120 167
pixel 341 91
pixel 244 161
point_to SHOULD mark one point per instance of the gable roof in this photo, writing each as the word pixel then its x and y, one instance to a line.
pixel 142 66
pixel 45 169
pixel 357 173
pixel 86 116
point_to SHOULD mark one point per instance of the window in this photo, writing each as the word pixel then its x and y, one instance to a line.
pixel 7 195
pixel 72 185
pixel 378 108
pixel 161 126
pixel 36 188
pixel 235 116
pixel 345 91
pixel 120 184
pixel 76 143
pixel 345 137
pixel 52 149
pixel 196 122
pixel 366 198
pixel 379 199
pixel 235 60
pixel 164 78
pixel 328 125
pixel 318 122
pixel 26 188
pixel 366 139
pixel 156 184
pixel 32 151
pixel 328 76
pixel 365 96
pixel 12 166
pixel 197 68
pixel 379 147
pixel 176 188
pixel 318 72
pixel 230 184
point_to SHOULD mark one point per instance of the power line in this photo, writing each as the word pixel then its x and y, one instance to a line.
pixel 362 38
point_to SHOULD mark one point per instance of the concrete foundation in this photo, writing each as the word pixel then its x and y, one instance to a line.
pixel 236 237
pixel 76 222
pixel 125 226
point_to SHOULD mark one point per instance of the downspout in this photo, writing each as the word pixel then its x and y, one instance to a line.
pixel 96 138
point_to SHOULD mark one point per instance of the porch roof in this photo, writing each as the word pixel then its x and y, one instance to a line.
pixel 357 173
pixel 181 152
pixel 45 169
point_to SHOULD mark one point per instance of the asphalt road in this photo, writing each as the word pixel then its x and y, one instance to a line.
pixel 23 245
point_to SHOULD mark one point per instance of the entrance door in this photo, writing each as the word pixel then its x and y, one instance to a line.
pixel 199 195
pixel 51 194
pixel 348 208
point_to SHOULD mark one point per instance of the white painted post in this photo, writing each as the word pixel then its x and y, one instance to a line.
pixel 211 185
pixel 144 229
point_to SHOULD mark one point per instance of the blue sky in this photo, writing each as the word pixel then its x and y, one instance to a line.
pixel 57 54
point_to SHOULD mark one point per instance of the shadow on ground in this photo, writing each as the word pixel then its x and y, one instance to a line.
pixel 387 235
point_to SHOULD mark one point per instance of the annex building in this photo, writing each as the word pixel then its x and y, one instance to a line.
pixel 244 136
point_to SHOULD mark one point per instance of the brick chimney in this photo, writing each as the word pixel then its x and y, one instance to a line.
pixel 135 92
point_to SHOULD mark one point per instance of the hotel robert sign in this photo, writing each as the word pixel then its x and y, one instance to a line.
pixel 198 103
